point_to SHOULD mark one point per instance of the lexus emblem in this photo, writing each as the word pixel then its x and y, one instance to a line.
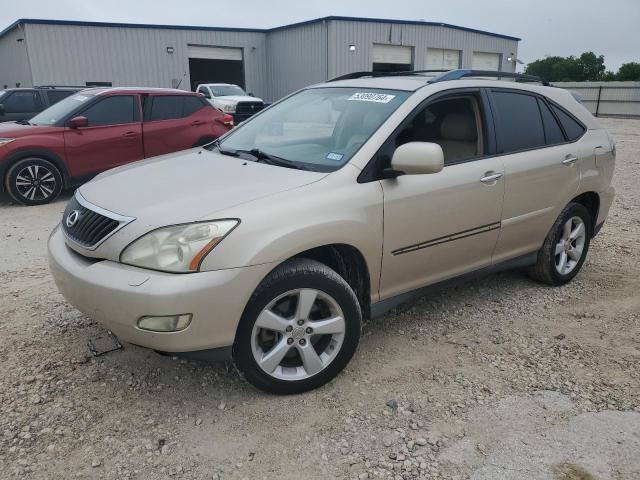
pixel 72 218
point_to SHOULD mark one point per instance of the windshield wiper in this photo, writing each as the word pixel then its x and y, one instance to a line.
pixel 223 151
pixel 22 122
pixel 265 157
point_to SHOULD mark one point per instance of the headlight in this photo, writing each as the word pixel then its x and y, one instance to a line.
pixel 179 248
pixel 229 108
pixel 4 141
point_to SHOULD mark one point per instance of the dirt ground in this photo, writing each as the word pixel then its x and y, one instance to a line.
pixel 500 378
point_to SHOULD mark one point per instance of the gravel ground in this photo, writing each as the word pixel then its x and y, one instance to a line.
pixel 500 378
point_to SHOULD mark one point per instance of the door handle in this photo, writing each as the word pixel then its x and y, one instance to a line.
pixel 569 160
pixel 197 122
pixel 491 177
pixel 130 135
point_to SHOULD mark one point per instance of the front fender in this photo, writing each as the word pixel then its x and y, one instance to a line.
pixel 296 221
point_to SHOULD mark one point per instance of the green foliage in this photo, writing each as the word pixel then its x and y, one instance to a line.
pixel 629 71
pixel 586 67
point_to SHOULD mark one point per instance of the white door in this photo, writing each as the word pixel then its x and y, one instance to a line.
pixel 486 61
pixel 392 54
pixel 443 59
pixel 215 53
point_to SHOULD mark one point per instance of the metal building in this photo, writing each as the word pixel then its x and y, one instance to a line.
pixel 268 62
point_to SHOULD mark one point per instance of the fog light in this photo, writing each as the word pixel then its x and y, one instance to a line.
pixel 169 323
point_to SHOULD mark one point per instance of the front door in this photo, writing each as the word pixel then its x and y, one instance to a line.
pixel 441 225
pixel 113 136
pixel 20 105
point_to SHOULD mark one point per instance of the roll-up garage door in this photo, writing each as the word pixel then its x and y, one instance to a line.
pixel 215 53
pixel 392 54
pixel 486 61
pixel 215 65
pixel 442 58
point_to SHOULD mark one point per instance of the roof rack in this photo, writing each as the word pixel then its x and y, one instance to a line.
pixel 350 76
pixel 53 87
pixel 460 74
pixel 446 75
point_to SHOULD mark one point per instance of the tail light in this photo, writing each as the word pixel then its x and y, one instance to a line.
pixel 225 120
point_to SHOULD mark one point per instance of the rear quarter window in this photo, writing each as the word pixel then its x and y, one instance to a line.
pixel 552 131
pixel 572 128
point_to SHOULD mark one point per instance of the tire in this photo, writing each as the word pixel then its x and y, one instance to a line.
pixel 33 181
pixel 275 315
pixel 549 268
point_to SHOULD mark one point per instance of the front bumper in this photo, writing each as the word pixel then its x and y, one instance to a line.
pixel 117 295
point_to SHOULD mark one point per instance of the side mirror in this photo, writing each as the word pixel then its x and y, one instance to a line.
pixel 418 158
pixel 251 94
pixel 78 122
pixel 2 109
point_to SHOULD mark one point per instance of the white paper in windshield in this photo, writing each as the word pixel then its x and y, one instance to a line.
pixel 372 97
pixel 81 98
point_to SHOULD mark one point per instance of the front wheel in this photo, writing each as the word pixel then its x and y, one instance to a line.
pixel 299 330
pixel 565 248
pixel 33 181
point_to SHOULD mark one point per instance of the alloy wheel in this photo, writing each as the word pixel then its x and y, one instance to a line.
pixel 35 182
pixel 298 334
pixel 570 246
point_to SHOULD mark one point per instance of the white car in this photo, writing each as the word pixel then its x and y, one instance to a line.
pixel 231 99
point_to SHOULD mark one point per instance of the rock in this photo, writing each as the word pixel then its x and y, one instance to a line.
pixel 222 406
pixel 198 421
pixel 96 462
pixel 421 441
pixel 393 404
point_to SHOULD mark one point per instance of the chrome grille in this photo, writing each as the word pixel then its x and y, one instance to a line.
pixel 89 226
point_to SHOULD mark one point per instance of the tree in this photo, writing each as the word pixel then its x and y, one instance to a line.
pixel 586 67
pixel 629 72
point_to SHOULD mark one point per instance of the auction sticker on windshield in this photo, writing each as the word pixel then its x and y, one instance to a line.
pixel 371 97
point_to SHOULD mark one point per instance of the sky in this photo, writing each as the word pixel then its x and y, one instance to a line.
pixel 547 27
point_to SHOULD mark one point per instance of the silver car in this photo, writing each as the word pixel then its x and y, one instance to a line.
pixel 271 245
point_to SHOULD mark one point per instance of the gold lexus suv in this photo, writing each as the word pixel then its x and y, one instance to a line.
pixel 271 245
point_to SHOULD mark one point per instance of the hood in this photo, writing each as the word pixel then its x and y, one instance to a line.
pixel 17 130
pixel 187 186
pixel 237 98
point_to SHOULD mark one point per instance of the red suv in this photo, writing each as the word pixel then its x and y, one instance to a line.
pixel 98 129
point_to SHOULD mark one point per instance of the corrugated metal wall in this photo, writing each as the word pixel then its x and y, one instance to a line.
pixel 14 60
pixel 73 55
pixel 296 57
pixel 276 62
pixel 364 34
pixel 607 98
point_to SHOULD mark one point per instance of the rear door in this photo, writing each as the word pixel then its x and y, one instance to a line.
pixel 540 168
pixel 176 122
pixel 20 105
pixel 113 137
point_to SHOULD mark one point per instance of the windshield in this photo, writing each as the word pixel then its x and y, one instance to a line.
pixel 319 128
pixel 60 110
pixel 227 90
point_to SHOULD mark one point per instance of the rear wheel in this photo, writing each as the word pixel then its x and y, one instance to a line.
pixel 33 181
pixel 299 330
pixel 565 248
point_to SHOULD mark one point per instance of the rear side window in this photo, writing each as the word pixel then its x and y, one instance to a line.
pixel 115 110
pixel 552 132
pixel 165 107
pixel 571 127
pixel 21 102
pixel 169 107
pixel 519 121
pixel 192 105
pixel 54 96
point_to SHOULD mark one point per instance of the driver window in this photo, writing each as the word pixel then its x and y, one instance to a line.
pixel 453 123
